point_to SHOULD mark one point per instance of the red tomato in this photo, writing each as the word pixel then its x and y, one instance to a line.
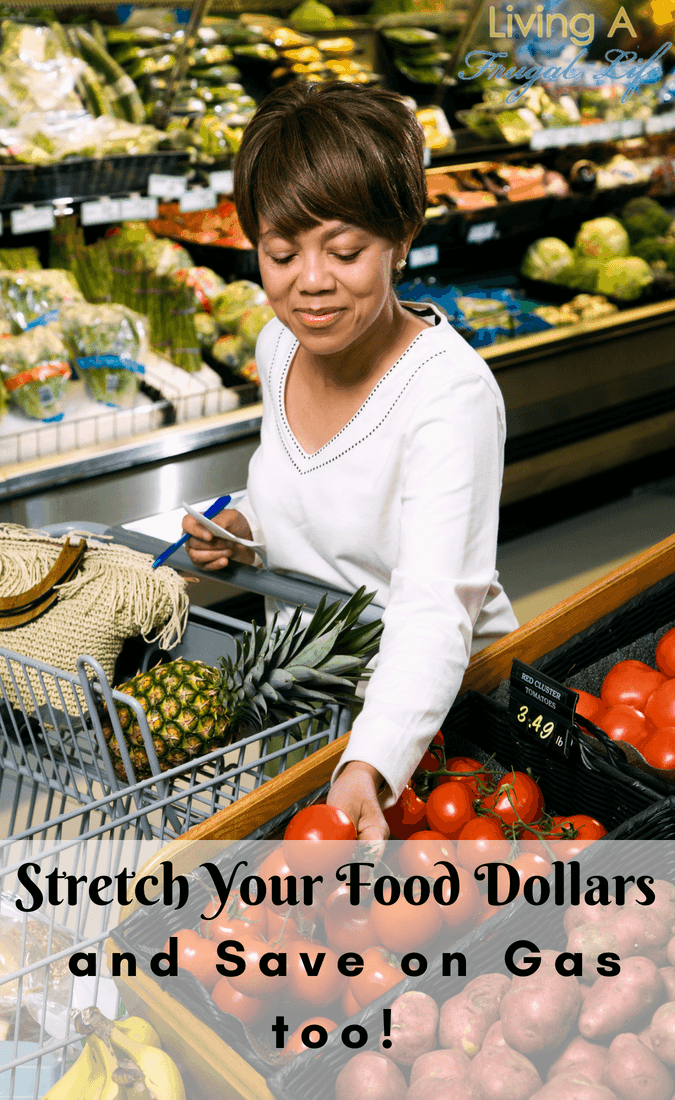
pixel 624 723
pixel 484 911
pixel 660 708
pixel 517 798
pixel 449 807
pixel 568 836
pixel 422 851
pixel 527 864
pixel 197 955
pixel 250 1010
pixel 350 1005
pixel 403 927
pixel 659 748
pixel 321 988
pixel 589 705
pixel 467 764
pixel 630 683
pixel 281 929
pixel 665 654
pixel 431 762
pixel 253 982
pixel 380 973
pixel 235 920
pixel 465 906
pixel 318 840
pixel 348 927
pixel 482 840
pixel 295 1042
pixel 407 815
pixel 278 916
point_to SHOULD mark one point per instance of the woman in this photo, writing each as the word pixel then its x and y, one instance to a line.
pixel 382 437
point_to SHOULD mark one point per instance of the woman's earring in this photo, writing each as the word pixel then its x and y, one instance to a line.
pixel 400 265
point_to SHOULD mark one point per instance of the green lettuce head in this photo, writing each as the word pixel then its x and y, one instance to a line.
pixel 547 260
pixel 583 274
pixel 626 279
pixel 602 239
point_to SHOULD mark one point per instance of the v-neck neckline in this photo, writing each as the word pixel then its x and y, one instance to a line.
pixel 308 455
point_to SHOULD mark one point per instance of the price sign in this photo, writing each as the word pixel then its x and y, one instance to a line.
pixel 481 232
pixel 660 124
pixel 222 182
pixel 100 212
pixel 423 257
pixel 166 187
pixel 543 710
pixel 427 157
pixel 32 219
pixel 138 208
pixel 199 198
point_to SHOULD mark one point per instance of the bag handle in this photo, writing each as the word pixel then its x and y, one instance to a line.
pixel 24 607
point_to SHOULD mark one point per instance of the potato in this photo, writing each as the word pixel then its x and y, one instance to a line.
pixel 639 932
pixel 614 1002
pixel 494 1037
pixel 414 1020
pixel 573 1086
pixel 370 1076
pixel 581 1057
pixel 645 1037
pixel 434 1088
pixel 661 1033
pixel 634 1073
pixel 498 1073
pixel 668 975
pixel 466 1018
pixel 449 1065
pixel 663 904
pixel 590 940
pixel 670 951
pixel 583 913
pixel 540 1009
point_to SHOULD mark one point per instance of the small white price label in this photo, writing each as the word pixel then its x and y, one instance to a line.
pixel 660 124
pixel 101 212
pixel 481 232
pixel 221 182
pixel 32 219
pixel 166 187
pixel 199 198
pixel 423 257
pixel 427 157
pixel 138 208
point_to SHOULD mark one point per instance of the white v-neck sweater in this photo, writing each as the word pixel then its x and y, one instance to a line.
pixel 404 500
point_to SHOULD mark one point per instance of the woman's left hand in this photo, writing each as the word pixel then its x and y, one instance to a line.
pixel 356 791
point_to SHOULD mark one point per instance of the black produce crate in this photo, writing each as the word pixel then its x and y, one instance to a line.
pixel 231 263
pixel 586 782
pixel 85 177
pixel 310 1078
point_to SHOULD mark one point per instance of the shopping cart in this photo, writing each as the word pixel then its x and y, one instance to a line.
pixel 51 732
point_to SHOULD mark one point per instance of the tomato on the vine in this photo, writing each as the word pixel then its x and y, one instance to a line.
pixel 660 707
pixel 630 683
pixel 432 761
pixel 318 840
pixel 380 974
pixel 467 902
pixel 348 927
pixel 295 1042
pixel 665 654
pixel 449 807
pixel 321 988
pixel 422 852
pixel 566 837
pixel 517 798
pixel 253 982
pixel 407 815
pixel 236 919
pixel 404 927
pixel 659 748
pixel 197 955
pixel 527 865
pixel 250 1010
pixel 482 840
pixel 466 764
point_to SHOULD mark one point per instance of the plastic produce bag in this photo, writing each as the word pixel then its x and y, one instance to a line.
pixel 206 284
pixel 34 367
pixel 106 342
pixel 26 296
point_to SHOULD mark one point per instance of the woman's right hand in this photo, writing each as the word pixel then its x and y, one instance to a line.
pixel 209 552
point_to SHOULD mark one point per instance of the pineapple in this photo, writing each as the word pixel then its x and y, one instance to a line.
pixel 193 708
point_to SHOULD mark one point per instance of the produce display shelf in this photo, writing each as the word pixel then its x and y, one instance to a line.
pixel 80 178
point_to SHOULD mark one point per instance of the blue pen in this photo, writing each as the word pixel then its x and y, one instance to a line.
pixel 210 512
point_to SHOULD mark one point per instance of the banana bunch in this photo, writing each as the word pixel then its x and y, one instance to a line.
pixel 121 1060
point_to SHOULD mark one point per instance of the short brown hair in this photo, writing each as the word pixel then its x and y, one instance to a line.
pixel 315 152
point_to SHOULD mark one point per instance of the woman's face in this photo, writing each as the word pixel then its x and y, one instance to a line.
pixel 330 284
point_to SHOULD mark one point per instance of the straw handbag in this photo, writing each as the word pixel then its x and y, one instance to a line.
pixel 64 597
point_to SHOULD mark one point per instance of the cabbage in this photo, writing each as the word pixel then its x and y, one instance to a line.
pixel 252 323
pixel 624 278
pixel 602 238
pixel 547 260
pixel 234 301
pixel 583 275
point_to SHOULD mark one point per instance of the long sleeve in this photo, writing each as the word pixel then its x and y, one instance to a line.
pixel 449 510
